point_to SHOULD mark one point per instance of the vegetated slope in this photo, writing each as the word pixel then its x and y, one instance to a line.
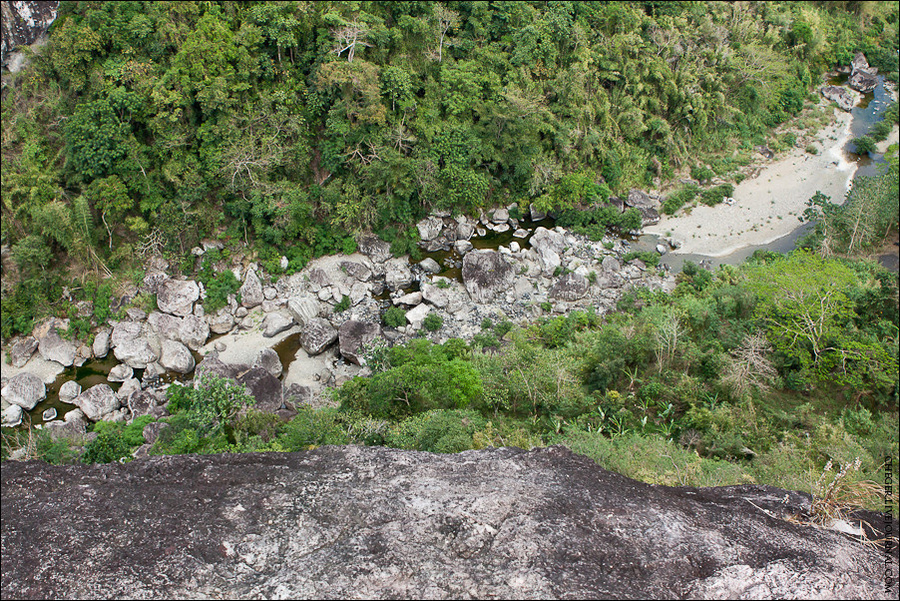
pixel 147 125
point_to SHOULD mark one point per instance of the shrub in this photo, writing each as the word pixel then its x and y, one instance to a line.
pixel 649 257
pixel 343 305
pixel 702 173
pixel 864 145
pixel 439 431
pixel 679 198
pixel 714 196
pixel 395 317
pixel 433 322
pixel 311 428
pixel 107 447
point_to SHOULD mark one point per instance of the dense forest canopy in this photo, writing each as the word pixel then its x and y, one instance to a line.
pixel 296 125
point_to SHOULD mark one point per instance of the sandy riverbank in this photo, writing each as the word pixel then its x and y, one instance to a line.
pixel 767 206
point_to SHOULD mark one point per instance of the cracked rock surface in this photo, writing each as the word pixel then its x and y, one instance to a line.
pixel 369 522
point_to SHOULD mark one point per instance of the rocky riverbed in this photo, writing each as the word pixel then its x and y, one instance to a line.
pixel 538 272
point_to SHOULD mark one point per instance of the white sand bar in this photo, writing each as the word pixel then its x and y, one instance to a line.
pixel 767 206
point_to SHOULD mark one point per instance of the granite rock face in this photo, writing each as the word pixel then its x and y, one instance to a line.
pixel 370 522
pixel 486 274
pixel 24 23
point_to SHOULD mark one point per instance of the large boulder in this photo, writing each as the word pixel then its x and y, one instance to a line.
pixel 73 427
pixel 303 308
pixel 548 245
pixel 276 323
pixel 131 346
pixel 317 335
pixel 373 247
pixel 212 366
pixel 356 270
pixel 220 322
pixel 430 228
pixel 100 346
pixel 97 401
pixel 54 348
pixel 863 81
pixel 24 23
pixel 486 274
pixel 845 99
pixel 374 522
pixel 417 315
pixel 22 350
pixel 120 373
pixel 176 357
pixel 191 330
pixel 251 290
pixel 264 387
pixel 397 274
pixel 648 207
pixel 268 359
pixel 355 336
pixel 177 297
pixel 25 390
pixel 569 287
pixel 68 391
pixel 11 416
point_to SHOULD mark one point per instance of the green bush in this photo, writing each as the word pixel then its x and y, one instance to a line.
pixel 864 145
pixel 649 257
pixel 395 317
pixel 702 173
pixel 343 305
pixel 713 196
pixel 679 198
pixel 437 431
pixel 107 447
pixel 433 322
pixel 311 428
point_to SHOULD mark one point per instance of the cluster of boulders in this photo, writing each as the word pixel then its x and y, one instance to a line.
pixel 335 305
pixel 863 78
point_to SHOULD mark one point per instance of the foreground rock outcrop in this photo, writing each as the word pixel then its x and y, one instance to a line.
pixel 360 522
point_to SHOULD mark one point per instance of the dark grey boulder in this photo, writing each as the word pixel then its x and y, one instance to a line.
pixel 570 287
pixel 317 335
pixel 356 270
pixel 373 247
pixel 264 387
pixel 844 98
pixel 22 350
pixel 355 336
pixel 151 431
pixel 269 361
pixel 863 81
pixel 486 274
pixel 142 403
pixel 97 401
pixel 372 522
